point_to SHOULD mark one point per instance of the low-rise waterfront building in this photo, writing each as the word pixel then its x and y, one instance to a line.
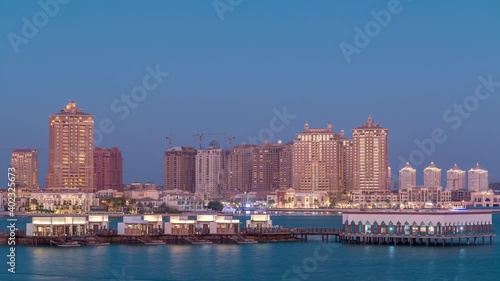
pixel 217 224
pixel 259 222
pixel 62 202
pixel 140 225
pixel 180 225
pixel 57 226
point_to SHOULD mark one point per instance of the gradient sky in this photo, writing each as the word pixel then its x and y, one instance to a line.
pixel 228 76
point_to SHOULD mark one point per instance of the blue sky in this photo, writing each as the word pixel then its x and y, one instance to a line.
pixel 228 76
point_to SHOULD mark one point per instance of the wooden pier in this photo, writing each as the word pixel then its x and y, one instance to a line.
pixel 411 240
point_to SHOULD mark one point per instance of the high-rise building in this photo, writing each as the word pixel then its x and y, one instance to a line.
pixel 407 177
pixel 71 150
pixel 108 169
pixel 211 171
pixel 478 179
pixel 241 167
pixel 266 167
pixel 317 161
pixel 455 178
pixel 371 160
pixel 286 166
pixel 25 164
pixel 180 169
pixel 347 164
pixel 432 176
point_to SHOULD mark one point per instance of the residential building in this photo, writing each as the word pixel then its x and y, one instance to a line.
pixel 286 166
pixel 108 169
pixel 455 178
pixel 478 179
pixel 432 176
pixel 266 167
pixel 71 150
pixel 407 177
pixel 180 169
pixel 25 164
pixel 211 171
pixel 241 167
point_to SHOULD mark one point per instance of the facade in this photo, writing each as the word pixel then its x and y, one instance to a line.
pixel 478 179
pixel 266 167
pixel 410 223
pixel 180 169
pixel 183 201
pixel 71 150
pixel 108 169
pixel 240 168
pixel 432 176
pixel 407 177
pixel 370 156
pixel 25 163
pixel 62 202
pixel 317 161
pixel 455 178
pixel 347 164
pixel 211 171
pixel 286 166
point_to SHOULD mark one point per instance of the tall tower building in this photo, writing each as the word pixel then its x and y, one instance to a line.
pixel 478 179
pixel 25 163
pixel 241 167
pixel 211 171
pixel 71 150
pixel 371 158
pixel 108 169
pixel 455 178
pixel 286 166
pixel 180 169
pixel 407 177
pixel 347 164
pixel 432 176
pixel 317 162
pixel 266 167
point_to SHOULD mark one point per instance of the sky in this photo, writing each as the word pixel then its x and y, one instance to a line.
pixel 234 66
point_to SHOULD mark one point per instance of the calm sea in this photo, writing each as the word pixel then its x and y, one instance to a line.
pixel 275 261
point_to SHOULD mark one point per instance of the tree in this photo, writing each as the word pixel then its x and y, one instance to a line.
pixel 215 205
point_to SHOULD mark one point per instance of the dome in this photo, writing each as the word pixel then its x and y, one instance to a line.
pixel 214 145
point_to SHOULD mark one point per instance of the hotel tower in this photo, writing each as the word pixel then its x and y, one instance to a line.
pixel 71 150
pixel 371 162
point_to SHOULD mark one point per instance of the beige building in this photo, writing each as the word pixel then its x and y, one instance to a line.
pixel 266 167
pixel 317 161
pixel 347 164
pixel 455 178
pixel 478 179
pixel 25 164
pixel 432 176
pixel 71 151
pixel 211 171
pixel 241 167
pixel 180 169
pixel 407 177
pixel 370 158
pixel 62 202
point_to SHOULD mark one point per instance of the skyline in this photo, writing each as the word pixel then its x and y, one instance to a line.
pixel 231 77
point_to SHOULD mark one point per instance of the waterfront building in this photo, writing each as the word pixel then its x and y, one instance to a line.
pixel 98 222
pixel 286 166
pixel 266 167
pixel 108 169
pixel 370 154
pixel 455 178
pixel 141 225
pixel 431 223
pixel 180 169
pixel 241 163
pixel 317 162
pixel 64 202
pixel 217 224
pixel 211 171
pixel 478 179
pixel 25 164
pixel 485 199
pixel 432 176
pixel 407 177
pixel 71 150
pixel 183 201
pixel 180 225
pixel 57 226
pixel 259 222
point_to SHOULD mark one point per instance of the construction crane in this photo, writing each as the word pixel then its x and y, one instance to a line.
pixel 200 135
pixel 230 140
pixel 170 139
